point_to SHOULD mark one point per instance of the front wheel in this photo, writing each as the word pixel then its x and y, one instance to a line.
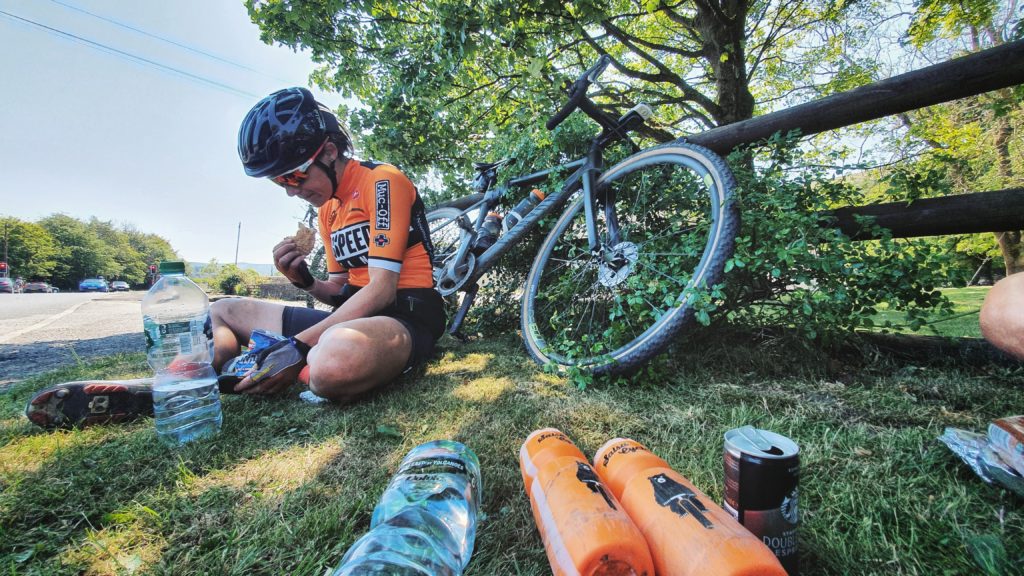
pixel 666 223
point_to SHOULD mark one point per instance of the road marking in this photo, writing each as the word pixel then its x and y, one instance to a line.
pixel 13 335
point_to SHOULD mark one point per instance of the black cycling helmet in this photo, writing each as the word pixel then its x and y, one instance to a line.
pixel 283 131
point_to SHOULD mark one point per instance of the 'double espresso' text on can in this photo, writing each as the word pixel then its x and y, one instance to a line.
pixel 762 470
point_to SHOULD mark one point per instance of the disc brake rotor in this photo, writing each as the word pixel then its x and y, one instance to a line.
pixel 618 264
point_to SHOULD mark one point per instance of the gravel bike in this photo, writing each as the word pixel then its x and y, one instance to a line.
pixel 633 255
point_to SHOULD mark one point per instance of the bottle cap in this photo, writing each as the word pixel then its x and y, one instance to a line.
pixel 172 267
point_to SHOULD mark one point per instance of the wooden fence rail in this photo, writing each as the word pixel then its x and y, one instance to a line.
pixel 993 69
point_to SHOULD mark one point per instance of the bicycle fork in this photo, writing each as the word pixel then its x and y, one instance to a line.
pixel 614 257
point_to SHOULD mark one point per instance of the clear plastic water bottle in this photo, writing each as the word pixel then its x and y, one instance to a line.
pixel 186 401
pixel 425 523
pixel 522 209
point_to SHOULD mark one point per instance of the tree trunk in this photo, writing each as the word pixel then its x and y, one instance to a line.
pixel 721 26
pixel 1010 246
pixel 1009 242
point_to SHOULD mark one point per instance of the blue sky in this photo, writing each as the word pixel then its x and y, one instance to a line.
pixel 88 133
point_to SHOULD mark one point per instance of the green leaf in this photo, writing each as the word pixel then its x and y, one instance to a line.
pixel 390 431
pixel 536 65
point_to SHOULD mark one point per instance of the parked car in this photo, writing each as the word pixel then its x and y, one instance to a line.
pixel 7 285
pixel 37 287
pixel 93 285
pixel 119 286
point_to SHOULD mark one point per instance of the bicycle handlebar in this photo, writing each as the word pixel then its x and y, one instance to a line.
pixel 579 91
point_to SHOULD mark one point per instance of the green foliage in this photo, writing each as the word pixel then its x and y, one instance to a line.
pixel 62 250
pixel 235 281
pixel 440 80
pixel 83 252
pixel 31 251
pixel 790 271
pixel 935 19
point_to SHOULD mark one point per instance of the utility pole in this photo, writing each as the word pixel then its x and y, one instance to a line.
pixel 238 239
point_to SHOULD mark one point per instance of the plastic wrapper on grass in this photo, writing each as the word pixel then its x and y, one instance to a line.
pixel 974 449
pixel 1006 436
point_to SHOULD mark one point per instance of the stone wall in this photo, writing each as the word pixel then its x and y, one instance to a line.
pixel 279 288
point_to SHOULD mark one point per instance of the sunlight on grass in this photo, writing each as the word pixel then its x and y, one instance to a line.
pixel 273 472
pixel 26 454
pixel 286 488
pixel 487 389
pixel 451 364
pixel 119 549
pixel 962 323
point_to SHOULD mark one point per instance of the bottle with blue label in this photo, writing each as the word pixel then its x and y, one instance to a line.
pixel 186 401
pixel 425 522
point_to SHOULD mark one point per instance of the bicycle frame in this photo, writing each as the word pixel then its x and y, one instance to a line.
pixel 584 177
pixel 586 174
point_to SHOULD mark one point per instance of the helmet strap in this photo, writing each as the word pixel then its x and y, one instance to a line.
pixel 330 174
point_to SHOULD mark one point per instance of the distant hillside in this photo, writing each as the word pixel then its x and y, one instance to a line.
pixel 262 269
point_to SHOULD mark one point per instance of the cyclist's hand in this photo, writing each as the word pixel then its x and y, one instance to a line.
pixel 291 263
pixel 277 367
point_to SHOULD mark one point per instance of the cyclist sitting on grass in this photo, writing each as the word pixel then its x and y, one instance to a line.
pixel 387 315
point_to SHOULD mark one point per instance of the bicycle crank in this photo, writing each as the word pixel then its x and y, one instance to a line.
pixel 453 276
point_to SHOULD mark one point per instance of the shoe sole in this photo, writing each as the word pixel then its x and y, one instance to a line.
pixel 92 402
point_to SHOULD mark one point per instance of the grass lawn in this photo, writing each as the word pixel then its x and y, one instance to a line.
pixel 287 487
pixel 962 323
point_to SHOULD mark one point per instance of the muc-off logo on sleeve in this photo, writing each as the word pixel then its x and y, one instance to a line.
pixel 382 211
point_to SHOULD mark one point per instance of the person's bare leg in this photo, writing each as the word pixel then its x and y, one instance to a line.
pixel 356 356
pixel 234 319
pixel 1002 315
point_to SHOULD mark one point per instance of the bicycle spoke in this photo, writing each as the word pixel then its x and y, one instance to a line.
pixel 593 309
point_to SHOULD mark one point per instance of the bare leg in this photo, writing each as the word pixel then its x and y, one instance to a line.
pixel 233 321
pixel 356 356
pixel 1002 315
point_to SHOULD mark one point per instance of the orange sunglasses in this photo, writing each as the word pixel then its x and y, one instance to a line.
pixel 294 178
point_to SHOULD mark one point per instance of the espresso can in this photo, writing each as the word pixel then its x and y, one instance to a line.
pixel 762 470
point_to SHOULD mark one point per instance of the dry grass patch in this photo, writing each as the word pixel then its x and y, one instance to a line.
pixel 272 472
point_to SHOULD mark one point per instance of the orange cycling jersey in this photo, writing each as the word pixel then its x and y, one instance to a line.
pixel 376 219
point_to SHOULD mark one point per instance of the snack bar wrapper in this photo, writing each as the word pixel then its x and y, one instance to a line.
pixel 975 450
pixel 1006 437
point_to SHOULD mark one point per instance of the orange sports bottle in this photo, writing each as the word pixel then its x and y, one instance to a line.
pixel 584 528
pixel 687 533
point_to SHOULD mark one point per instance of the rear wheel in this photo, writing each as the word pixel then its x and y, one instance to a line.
pixel 666 225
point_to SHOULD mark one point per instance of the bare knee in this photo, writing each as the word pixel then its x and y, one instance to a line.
pixel 346 363
pixel 1002 315
pixel 228 310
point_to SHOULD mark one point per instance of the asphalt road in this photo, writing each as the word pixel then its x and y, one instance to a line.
pixel 42 332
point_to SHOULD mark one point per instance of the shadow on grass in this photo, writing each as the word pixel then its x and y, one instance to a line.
pixel 287 487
